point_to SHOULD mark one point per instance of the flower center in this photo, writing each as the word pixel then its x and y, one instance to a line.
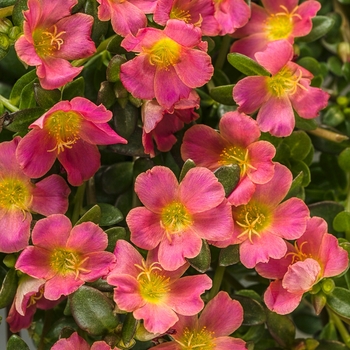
pixel 65 262
pixel 252 219
pixel 15 193
pixel 175 218
pixel 182 15
pixel 236 155
pixel 285 82
pixel 165 53
pixel 280 25
pixel 299 255
pixel 47 42
pixel 65 128
pixel 152 285
pixel 200 340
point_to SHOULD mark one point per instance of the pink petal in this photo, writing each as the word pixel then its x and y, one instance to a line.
pixel 26 52
pixel 152 114
pixel 145 228
pixel 272 6
pixel 51 10
pixel 98 263
pixel 276 116
pixel 301 276
pixel 250 45
pixel 224 343
pixel 290 218
pixel 209 192
pixel 88 110
pixel 8 163
pixel 243 192
pixel 185 34
pixel 222 315
pixel 73 342
pixel 251 93
pixel 80 169
pixel 313 236
pixel 164 185
pixel 60 285
pixel 279 300
pixel 185 294
pixel 50 196
pixel 169 345
pixel 306 11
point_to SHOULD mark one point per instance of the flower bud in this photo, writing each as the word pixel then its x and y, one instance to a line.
pixel 344 51
pixel 5 25
pixel 14 33
pixel 328 286
pixel 342 101
pixel 4 41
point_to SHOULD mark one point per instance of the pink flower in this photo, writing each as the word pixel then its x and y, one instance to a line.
pixel 65 257
pixel 50 39
pixel 231 14
pixel 173 61
pixel 160 124
pixel 211 330
pixel 277 20
pixel 68 131
pixel 19 197
pixel 199 12
pixel 237 143
pixel 262 225
pixel 314 256
pixel 127 16
pixel 176 217
pixel 151 293
pixel 277 95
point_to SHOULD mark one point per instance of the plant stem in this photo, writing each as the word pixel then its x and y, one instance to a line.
pixel 6 11
pixel 225 45
pixel 340 327
pixel 8 105
pixel 218 277
pixel 328 135
pixel 78 202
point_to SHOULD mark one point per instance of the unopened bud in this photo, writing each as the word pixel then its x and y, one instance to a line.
pixel 328 286
pixel 4 41
pixel 10 260
pixel 14 33
pixel 5 25
pixel 342 101
pixel 344 51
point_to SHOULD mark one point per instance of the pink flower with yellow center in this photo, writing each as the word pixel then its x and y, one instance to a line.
pixel 277 95
pixel 50 39
pixel 65 257
pixel 127 16
pixel 314 256
pixel 19 196
pixel 237 143
pixel 231 14
pixel 160 125
pixel 264 222
pixel 176 217
pixel 69 131
pixel 198 12
pixel 173 61
pixel 277 20
pixel 211 330
pixel 151 293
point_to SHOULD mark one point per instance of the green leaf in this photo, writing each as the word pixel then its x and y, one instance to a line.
pixel 27 99
pixel 338 301
pixel 106 94
pixel 202 261
pixel 16 343
pixel 223 94
pixel 311 64
pixel 305 124
pixel 331 345
pixel 113 68
pixel 129 328
pixel 300 166
pixel 281 328
pixel 335 65
pixel 125 119
pixel 228 176
pixel 23 81
pixel 73 89
pixel 320 26
pixel 93 215
pixel 17 13
pixel 46 98
pixel 5 3
pixel 295 188
pixel 333 116
pixel 99 28
pixel 254 313
pixel 344 159
pixel 229 255
pixel 246 65
pixel 188 165
pixel 341 222
pixel 299 144
pixel 117 178
pixel 110 215
pixel 22 119
pixel 8 288
pixel 346 70
pixel 114 234
pixel 92 311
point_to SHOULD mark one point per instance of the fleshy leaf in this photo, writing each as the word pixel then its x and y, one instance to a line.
pixel 223 94
pixel 321 25
pixel 246 65
pixel 202 261
pixel 8 289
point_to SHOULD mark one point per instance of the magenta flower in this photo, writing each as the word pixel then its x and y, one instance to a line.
pixel 277 20
pixel 211 330
pixel 200 13
pixel 173 61
pixel 160 125
pixel 231 14
pixel 50 39
pixel 262 225
pixel 277 95
pixel 151 293
pixel 237 143
pixel 127 16
pixel 314 256
pixel 68 131
pixel 65 257
pixel 19 197
pixel 176 217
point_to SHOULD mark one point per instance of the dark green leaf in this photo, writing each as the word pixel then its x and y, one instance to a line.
pixel 113 68
pixel 331 345
pixel 299 144
pixel 246 65
pixel 5 3
pixel 188 165
pixel 16 343
pixel 8 288
pixel 110 215
pixel 338 301
pixel 202 261
pixel 229 255
pixel 27 99
pixel 223 94
pixel 295 188
pixel 92 311
pixel 281 328
pixel 99 28
pixel 344 159
pixel 22 119
pixel 114 234
pixel 93 215
pixel 106 94
pixel 117 178
pixel 305 124
pixel 254 313
pixel 125 119
pixel 346 70
pixel 129 328
pixel 341 222
pixel 23 81
pixel 228 176
pixel 320 26
pixel 46 98
pixel 299 166
pixel 17 13
pixel 311 64
pixel 73 89
pixel 333 116
pixel 335 65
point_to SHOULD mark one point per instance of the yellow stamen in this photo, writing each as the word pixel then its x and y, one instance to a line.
pixel 48 42
pixel 197 339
